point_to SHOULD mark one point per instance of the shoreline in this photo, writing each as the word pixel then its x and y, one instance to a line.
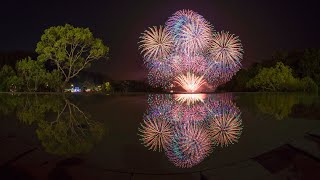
pixel 142 93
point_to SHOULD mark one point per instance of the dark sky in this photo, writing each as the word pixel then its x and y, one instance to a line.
pixel 263 26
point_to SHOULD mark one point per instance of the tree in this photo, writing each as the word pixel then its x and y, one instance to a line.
pixel 32 73
pixel 308 85
pixel 278 78
pixel 6 73
pixel 71 49
pixel 53 80
pixel 15 83
pixel 107 87
pixel 304 63
pixel 238 82
pixel 309 65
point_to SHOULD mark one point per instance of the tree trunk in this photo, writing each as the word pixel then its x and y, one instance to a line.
pixel 63 86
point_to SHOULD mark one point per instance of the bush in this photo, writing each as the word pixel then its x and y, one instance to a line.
pixel 280 78
pixel 308 85
pixel 6 74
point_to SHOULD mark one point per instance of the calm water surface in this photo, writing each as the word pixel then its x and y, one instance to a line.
pixel 153 134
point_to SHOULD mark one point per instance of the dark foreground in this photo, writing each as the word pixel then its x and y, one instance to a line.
pixel 261 136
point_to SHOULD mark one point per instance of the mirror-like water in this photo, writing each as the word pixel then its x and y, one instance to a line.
pixel 149 134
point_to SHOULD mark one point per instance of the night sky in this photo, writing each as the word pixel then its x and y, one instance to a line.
pixel 263 26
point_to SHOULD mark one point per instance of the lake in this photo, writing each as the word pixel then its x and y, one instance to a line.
pixel 160 136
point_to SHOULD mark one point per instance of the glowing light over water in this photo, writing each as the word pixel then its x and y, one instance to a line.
pixel 190 99
pixel 190 82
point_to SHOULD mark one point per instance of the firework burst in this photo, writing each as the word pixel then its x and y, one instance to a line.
pixel 226 50
pixel 156 43
pixel 180 18
pixel 156 76
pixel 193 38
pixel 190 82
pixel 191 32
pixel 184 64
pixel 188 44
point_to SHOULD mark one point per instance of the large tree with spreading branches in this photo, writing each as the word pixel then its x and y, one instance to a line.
pixel 71 49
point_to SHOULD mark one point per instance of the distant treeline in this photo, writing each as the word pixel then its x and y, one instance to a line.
pixel 19 73
pixel 297 70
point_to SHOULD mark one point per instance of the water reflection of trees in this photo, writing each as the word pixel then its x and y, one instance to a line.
pixel 283 105
pixel 187 127
pixel 61 126
pixel 279 105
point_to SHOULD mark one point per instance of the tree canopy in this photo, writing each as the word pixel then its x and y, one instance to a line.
pixel 32 73
pixel 6 73
pixel 71 49
pixel 280 78
pixel 276 78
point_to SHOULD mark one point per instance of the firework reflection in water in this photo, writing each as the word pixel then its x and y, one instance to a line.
pixel 188 126
pixel 226 126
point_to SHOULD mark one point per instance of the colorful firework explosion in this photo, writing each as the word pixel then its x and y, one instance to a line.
pixel 226 52
pixel 183 64
pixel 188 44
pixel 226 47
pixel 190 82
pixel 156 44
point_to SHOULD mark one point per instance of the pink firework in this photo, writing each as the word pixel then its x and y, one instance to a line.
pixel 190 82
pixel 156 43
pixel 195 64
pixel 191 32
pixel 156 134
pixel 181 17
pixel 194 38
pixel 161 73
pixel 189 53
pixel 226 127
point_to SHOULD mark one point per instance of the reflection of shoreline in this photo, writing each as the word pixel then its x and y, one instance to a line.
pixel 188 126
pixel 277 104
pixel 61 126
